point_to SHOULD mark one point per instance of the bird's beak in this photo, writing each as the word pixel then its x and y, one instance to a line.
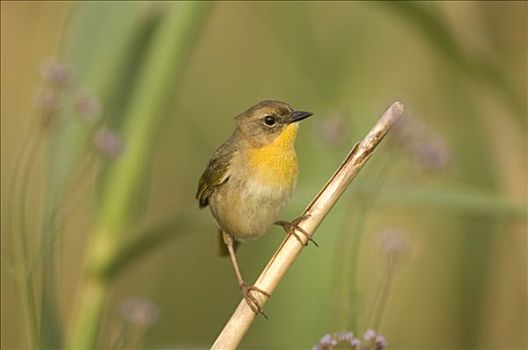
pixel 298 116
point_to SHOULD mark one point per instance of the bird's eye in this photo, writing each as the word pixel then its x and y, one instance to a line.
pixel 269 120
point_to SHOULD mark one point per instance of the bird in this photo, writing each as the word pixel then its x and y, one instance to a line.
pixel 250 179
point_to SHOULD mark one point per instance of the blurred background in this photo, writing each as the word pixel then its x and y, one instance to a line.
pixel 110 112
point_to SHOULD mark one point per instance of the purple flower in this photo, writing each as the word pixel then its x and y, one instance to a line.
pixel 355 343
pixel 108 142
pixel 142 312
pixel 393 242
pixel 433 155
pixel 369 335
pixel 342 340
pixel 58 75
pixel 380 341
pixel 344 336
pixel 87 104
pixel 425 146
pixel 375 339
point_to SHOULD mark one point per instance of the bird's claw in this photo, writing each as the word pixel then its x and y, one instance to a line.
pixel 291 227
pixel 251 300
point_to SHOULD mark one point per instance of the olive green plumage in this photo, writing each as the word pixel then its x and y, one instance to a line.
pixel 215 174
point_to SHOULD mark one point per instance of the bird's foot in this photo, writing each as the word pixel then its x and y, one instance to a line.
pixel 251 300
pixel 291 227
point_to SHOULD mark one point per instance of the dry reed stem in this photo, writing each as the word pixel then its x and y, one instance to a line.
pixel 237 326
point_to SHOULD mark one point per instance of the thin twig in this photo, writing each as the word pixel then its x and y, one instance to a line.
pixel 239 323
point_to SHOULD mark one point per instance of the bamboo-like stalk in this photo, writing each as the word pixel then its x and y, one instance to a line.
pixel 241 319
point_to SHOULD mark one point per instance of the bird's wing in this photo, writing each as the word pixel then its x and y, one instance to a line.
pixel 216 174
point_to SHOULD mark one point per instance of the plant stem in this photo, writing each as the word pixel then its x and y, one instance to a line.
pixel 241 320
pixel 164 64
pixel 381 300
pixel 91 302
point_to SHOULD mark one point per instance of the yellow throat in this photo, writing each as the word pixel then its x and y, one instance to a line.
pixel 276 163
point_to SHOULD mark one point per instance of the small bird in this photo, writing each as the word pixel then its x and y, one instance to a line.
pixel 250 179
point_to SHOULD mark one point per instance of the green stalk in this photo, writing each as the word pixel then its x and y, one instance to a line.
pixel 352 238
pixel 461 200
pixel 96 62
pixel 164 64
pixel 347 308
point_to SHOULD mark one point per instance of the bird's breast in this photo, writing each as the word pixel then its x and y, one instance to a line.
pixel 260 185
pixel 275 165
